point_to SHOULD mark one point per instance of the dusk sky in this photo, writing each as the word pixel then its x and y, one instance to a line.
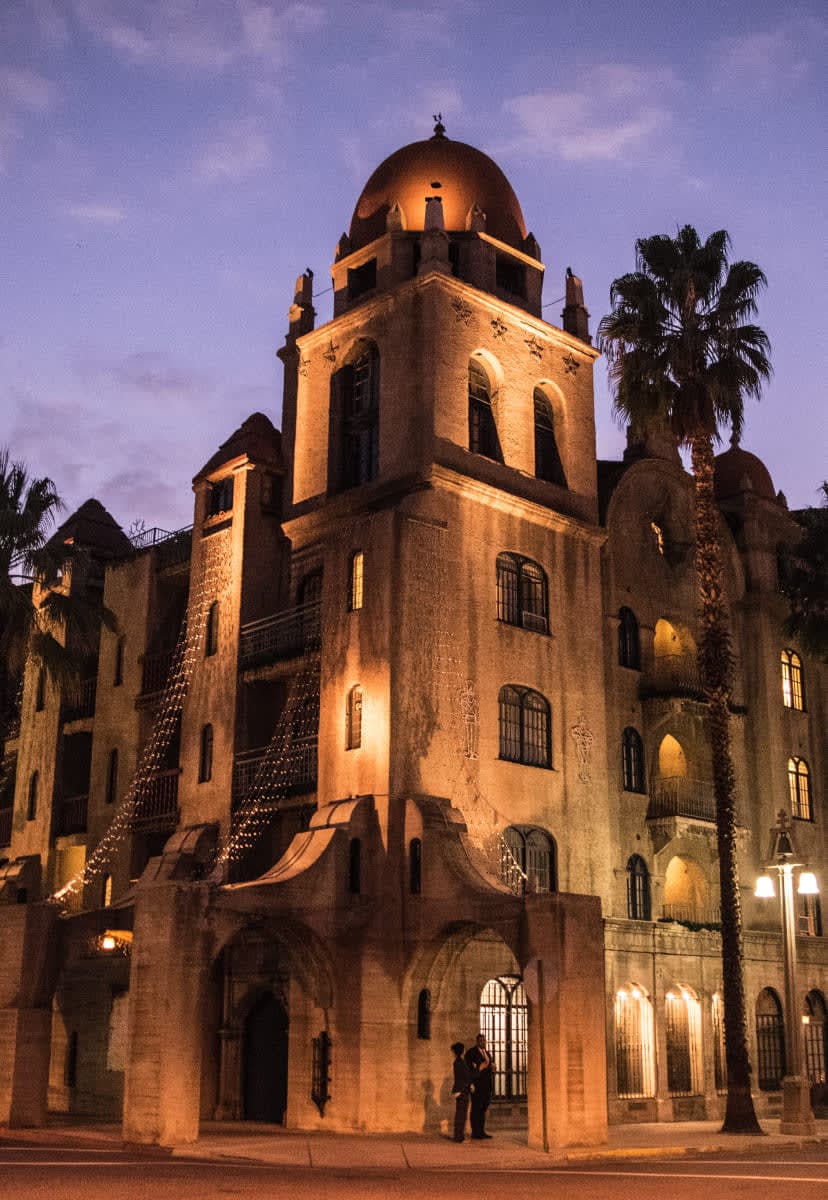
pixel 167 169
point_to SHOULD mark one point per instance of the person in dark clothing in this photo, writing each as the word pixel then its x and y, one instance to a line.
pixel 481 1065
pixel 461 1091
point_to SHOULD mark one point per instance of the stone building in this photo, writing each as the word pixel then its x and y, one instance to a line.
pixel 404 738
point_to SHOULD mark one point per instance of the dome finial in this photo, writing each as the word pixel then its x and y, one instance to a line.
pixel 439 127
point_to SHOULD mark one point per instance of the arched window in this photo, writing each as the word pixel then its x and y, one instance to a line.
pixel 815 1031
pixel 638 889
pixel 118 672
pixel 107 890
pixel 40 691
pixel 629 648
pixel 634 1043
pixel 211 631
pixel 205 756
pixel 424 1015
pixel 770 1041
pixel 799 786
pixel 524 725
pixel 682 1017
pixel 483 437
pixel 353 719
pixel 356 581
pixel 548 463
pixel 415 866
pixel 719 1056
pixel 522 593
pixel 112 777
pixel 504 1021
pixel 356 402
pixel 793 691
pixel 632 759
pixel 354 866
pixel 528 860
pixel 31 807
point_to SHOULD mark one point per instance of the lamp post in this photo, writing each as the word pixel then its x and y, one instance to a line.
pixel 797 1115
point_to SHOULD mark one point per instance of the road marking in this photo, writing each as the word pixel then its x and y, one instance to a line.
pixel 645 1174
pixel 148 1162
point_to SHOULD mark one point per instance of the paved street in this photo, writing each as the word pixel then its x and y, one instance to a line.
pixel 49 1172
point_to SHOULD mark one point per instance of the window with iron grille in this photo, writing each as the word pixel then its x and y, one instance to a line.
pixel 793 693
pixel 815 1030
pixel 548 463
pixel 524 726
pixel 638 889
pixel 799 785
pixel 634 1044
pixel 353 731
pixel 770 1041
pixel 529 860
pixel 503 1021
pixel 719 1056
pixel 679 1031
pixel 522 593
pixel 629 649
pixel 356 581
pixel 483 437
pixel 632 759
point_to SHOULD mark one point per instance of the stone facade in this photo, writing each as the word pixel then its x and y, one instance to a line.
pixel 430 752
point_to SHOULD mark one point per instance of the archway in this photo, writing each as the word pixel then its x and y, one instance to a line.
pixel 265 1061
pixel 504 1016
pixel 686 894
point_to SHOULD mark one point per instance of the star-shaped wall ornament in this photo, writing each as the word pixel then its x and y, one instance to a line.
pixel 462 310
pixel 534 346
pixel 499 328
pixel 304 366
pixel 570 363
pixel 330 353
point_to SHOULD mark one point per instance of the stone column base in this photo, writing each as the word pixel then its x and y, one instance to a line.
pixel 797 1114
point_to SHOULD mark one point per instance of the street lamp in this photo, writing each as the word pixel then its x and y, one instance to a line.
pixel 797 1115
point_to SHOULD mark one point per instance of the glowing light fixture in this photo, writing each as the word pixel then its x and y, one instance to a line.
pixel 764 888
pixel 807 884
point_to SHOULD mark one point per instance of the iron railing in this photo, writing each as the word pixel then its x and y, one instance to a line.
pixel 696 913
pixel 678 796
pixel 71 815
pixel 280 636
pixel 672 675
pixel 156 806
pixel 80 702
pixel 295 773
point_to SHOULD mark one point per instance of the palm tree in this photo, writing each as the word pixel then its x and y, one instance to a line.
pixel 58 628
pixel 805 580
pixel 683 355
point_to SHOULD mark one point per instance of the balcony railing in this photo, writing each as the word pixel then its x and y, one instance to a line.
pixel 80 702
pixel 154 671
pixel 6 826
pixel 71 815
pixel 696 913
pixel 295 774
pixel 672 675
pixel 280 636
pixel 678 796
pixel 172 546
pixel 157 805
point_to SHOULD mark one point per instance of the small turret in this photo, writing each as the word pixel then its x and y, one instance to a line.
pixel 575 317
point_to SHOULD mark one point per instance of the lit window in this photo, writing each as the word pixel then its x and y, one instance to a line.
pixel 629 648
pixel 107 890
pixel 683 1028
pixel 353 732
pixel 205 757
pixel 658 534
pixel 522 594
pixel 632 759
pixel 634 1044
pixel 809 916
pixel 719 1056
pixel 792 690
pixel 356 581
pixel 524 726
pixel 799 785
pixel 211 630
pixel 548 463
pixel 638 889
pixel 770 1041
pixel 504 1020
pixel 528 860
pixel 815 1029
pixel 483 437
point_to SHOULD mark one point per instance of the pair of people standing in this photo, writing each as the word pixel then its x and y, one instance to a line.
pixel 473 1081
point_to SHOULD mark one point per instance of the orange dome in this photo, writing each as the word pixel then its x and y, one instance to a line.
pixel 738 470
pixel 458 173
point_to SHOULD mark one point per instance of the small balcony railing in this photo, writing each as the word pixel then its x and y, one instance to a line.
pixel 280 636
pixel 6 826
pixel 154 671
pixel 156 807
pixel 295 770
pixel 171 546
pixel 696 913
pixel 80 702
pixel 672 675
pixel 71 815
pixel 678 796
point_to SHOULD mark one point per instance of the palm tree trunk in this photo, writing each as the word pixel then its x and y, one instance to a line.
pixel 716 669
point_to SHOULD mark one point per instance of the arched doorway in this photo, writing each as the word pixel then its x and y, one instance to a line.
pixel 265 1061
pixel 503 1019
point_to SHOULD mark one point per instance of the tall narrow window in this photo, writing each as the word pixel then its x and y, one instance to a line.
pixel 504 1020
pixel 524 726
pixel 770 1041
pixel 632 760
pixel 483 437
pixel 793 694
pixel 415 866
pixel 522 593
pixel 719 1057
pixel 638 889
pixel 354 866
pixel 634 1043
pixel 799 786
pixel 629 648
pixel 118 672
pixel 211 631
pixel 808 916
pixel 107 890
pixel 356 581
pixel 40 691
pixel 682 1028
pixel 31 807
pixel 424 1015
pixel 815 1031
pixel 357 388
pixel 548 463
pixel 112 777
pixel 205 757
pixel 353 721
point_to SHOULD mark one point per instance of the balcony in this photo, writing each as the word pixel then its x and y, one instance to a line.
pixel 678 796
pixel 694 914
pixel 79 703
pixel 71 815
pixel 155 669
pixel 156 805
pixel 295 774
pixel 672 675
pixel 172 548
pixel 6 826
pixel 280 636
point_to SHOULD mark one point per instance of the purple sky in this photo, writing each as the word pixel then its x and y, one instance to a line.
pixel 167 169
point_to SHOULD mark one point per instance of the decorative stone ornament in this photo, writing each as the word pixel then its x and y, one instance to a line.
pixel 330 354
pixel 534 347
pixel 584 738
pixel 470 713
pixel 499 328
pixel 571 364
pixel 462 311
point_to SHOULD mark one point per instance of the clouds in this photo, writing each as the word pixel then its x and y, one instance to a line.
pixel 763 61
pixel 96 214
pixel 238 149
pixel 23 93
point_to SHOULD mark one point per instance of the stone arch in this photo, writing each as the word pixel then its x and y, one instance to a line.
pixel 686 892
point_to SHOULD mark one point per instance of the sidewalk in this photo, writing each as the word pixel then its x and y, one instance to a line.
pixel 276 1146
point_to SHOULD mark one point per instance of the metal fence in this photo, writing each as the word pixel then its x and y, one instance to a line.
pixel 680 796
pixel 280 636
